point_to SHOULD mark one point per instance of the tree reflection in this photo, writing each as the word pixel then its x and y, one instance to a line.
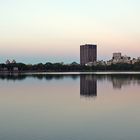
pixel 48 77
pixel 88 82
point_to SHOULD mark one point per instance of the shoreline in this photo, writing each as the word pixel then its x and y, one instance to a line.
pixel 67 72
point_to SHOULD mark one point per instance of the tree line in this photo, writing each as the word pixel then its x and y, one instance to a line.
pixel 60 67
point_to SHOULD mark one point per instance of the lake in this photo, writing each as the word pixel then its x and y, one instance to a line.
pixel 70 106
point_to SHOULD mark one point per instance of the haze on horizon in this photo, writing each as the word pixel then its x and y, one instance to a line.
pixel 33 31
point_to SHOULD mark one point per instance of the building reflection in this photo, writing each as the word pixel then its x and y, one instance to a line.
pixel 88 82
pixel 119 83
pixel 88 86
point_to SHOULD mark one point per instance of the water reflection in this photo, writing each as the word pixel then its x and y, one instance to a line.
pixel 88 82
pixel 120 80
pixel 20 77
pixel 46 106
pixel 88 85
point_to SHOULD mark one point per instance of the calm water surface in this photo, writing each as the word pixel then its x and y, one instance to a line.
pixel 70 107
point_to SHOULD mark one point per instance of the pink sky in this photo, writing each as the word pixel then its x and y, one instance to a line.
pixel 34 31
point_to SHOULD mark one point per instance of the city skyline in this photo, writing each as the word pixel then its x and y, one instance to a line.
pixel 42 31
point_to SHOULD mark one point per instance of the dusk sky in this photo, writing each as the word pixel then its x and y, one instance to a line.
pixel 33 31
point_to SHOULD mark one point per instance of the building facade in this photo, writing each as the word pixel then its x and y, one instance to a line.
pixel 88 53
pixel 117 56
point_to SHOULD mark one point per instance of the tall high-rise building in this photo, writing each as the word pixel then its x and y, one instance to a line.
pixel 88 53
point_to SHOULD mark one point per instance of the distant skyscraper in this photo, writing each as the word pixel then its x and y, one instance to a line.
pixel 88 53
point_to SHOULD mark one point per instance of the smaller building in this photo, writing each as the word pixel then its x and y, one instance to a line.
pixel 117 56
pixel 103 63
pixel 138 59
pixel 7 62
pixel 126 59
pixel 90 64
pixel 95 63
pixel 134 60
pixel 15 69
pixel 109 63
pixel 13 62
pixel 5 69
